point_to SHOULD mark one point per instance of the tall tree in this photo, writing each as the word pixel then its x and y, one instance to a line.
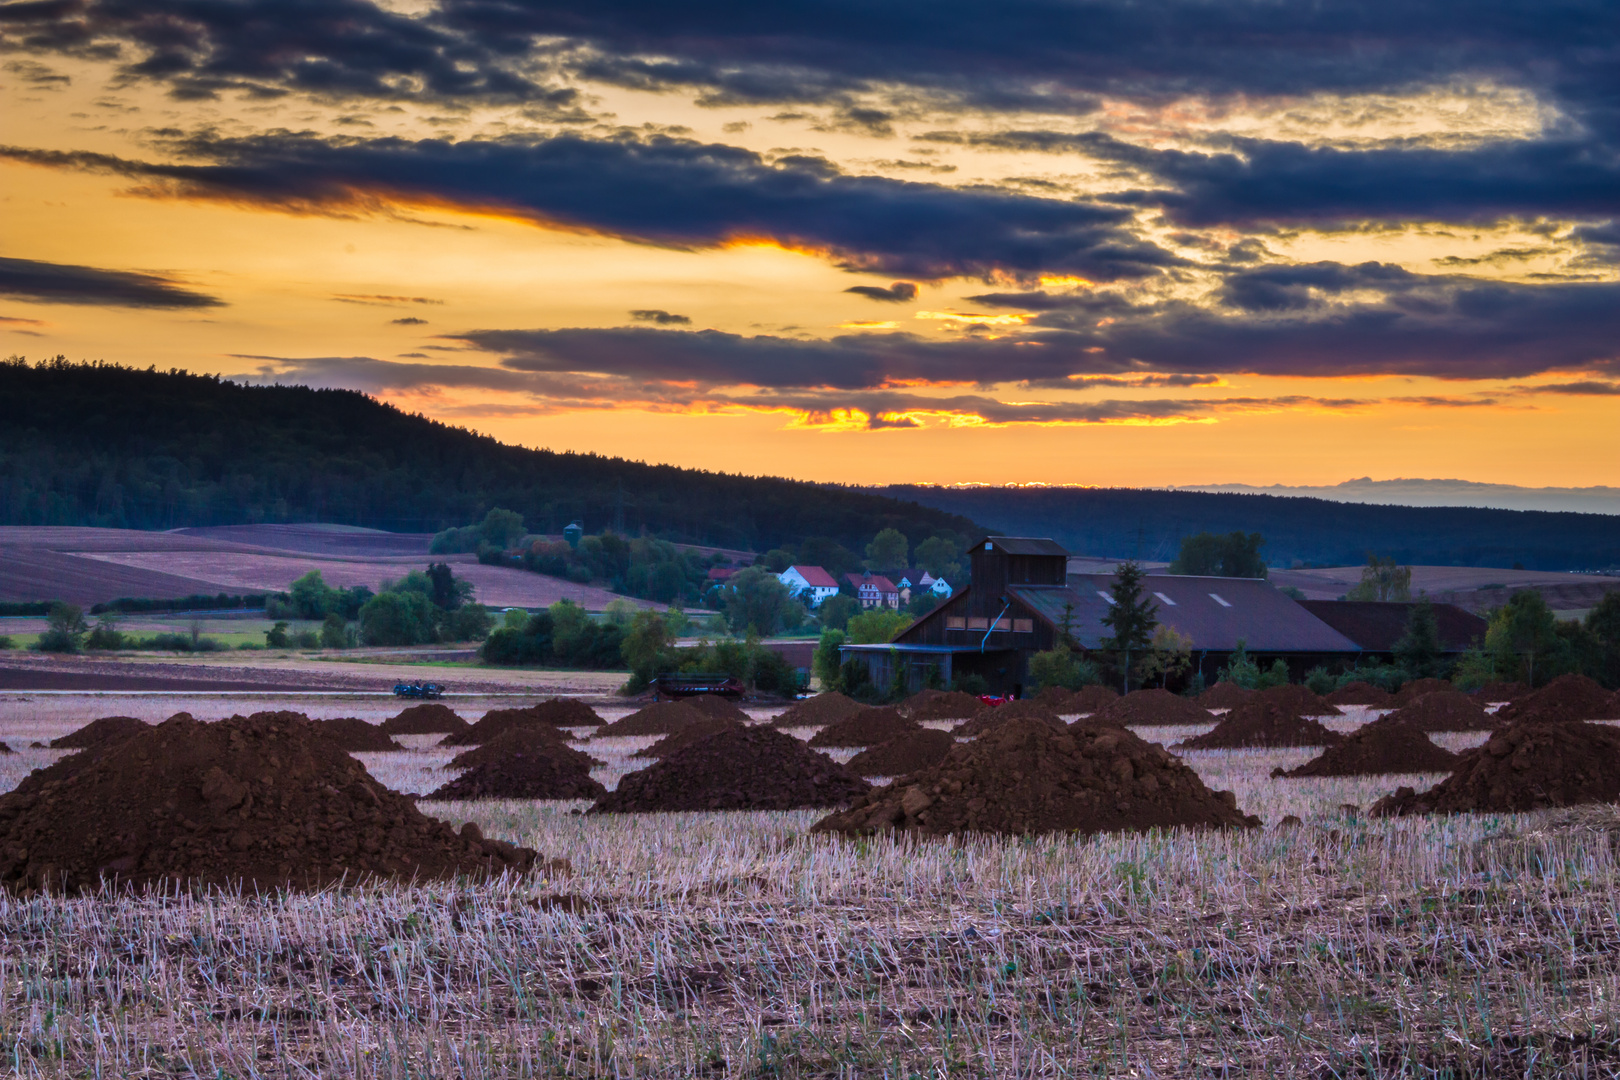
pixel 1522 633
pixel 889 550
pixel 1233 554
pixel 1419 650
pixel 1132 617
pixel 1382 579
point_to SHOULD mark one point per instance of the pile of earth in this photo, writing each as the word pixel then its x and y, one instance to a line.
pixel 740 768
pixel 1362 693
pixel 109 729
pixel 993 716
pixel 534 739
pixel 1527 766
pixel 718 708
pixel 1498 692
pixel 557 713
pixel 1261 723
pixel 866 728
pixel 1026 777
pixel 1568 697
pixel 1224 695
pixel 261 801
pixel 1411 691
pixel 941 705
pixel 697 732
pixel 904 755
pixel 5 749
pixel 1300 700
pixel 1153 706
pixel 534 768
pixel 828 708
pixel 428 718
pixel 1089 699
pixel 355 735
pixel 1444 710
pixel 659 718
pixel 1383 746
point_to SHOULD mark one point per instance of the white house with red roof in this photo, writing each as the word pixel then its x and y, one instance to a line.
pixel 874 590
pixel 811 584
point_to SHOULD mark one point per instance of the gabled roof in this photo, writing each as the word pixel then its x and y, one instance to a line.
pixel 815 577
pixel 1022 545
pixel 1377 625
pixel 915 575
pixel 1215 612
pixel 878 581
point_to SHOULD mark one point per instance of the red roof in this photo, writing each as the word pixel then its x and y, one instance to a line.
pixel 881 583
pixel 815 577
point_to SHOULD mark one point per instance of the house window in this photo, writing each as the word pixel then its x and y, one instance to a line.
pixel 978 623
pixel 1023 626
pixel 955 622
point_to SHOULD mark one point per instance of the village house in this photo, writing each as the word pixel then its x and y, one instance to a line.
pixel 810 584
pixel 914 580
pixel 874 590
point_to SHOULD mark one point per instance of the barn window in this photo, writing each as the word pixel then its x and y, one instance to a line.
pixel 1023 626
pixel 978 622
pixel 955 622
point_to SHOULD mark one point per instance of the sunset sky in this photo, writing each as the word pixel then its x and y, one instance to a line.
pixel 1092 242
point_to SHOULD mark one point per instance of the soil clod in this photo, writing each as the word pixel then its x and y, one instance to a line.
pixel 741 768
pixel 1386 745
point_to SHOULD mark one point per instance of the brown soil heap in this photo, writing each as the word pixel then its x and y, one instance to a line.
pixel 1260 723
pixel 1224 695
pixel 716 707
pixel 1153 707
pixel 903 756
pixel 1300 700
pixel 1495 692
pixel 1027 778
pixel 261 800
pixel 1090 699
pixel 428 718
pixel 523 740
pixel 1444 710
pixel 1527 766
pixel 355 735
pixel 685 737
pixel 1411 691
pixel 1384 746
pixel 941 705
pixel 818 711
pixel 659 718
pixel 556 713
pixel 993 716
pixel 866 728
pixel 1568 697
pixel 4 750
pixel 1362 693
pixel 537 770
pixel 109 729
pixel 741 768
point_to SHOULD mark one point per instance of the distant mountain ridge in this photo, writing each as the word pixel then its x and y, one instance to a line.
pixel 1598 499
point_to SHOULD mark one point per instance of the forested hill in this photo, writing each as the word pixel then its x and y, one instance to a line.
pixel 98 444
pixel 1149 524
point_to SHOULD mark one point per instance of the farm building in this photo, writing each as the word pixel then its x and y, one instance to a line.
pixel 1021 598
pixel 874 590
pixel 1375 626
pixel 811 584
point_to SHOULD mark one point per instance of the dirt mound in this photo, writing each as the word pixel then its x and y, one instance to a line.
pixel 1568 697
pixel 1300 700
pixel 1495 692
pixel 1384 746
pixel 818 711
pixel 1444 710
pixel 1153 707
pixel 1411 691
pixel 1090 699
pixel 428 718
pixel 903 756
pixel 260 800
pixel 556 713
pixel 4 750
pixel 697 732
pixel 716 707
pixel 741 768
pixel 1362 693
pixel 1261 723
pixel 523 740
pixel 356 735
pixel 659 718
pixel 1224 695
pixel 537 769
pixel 941 705
pixel 109 729
pixel 993 716
pixel 1027 778
pixel 866 728
pixel 1527 766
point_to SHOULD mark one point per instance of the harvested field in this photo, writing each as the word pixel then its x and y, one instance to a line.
pixel 1262 723
pixel 866 728
pixel 903 755
pixel 1444 710
pixel 1529 765
pixel 941 705
pixel 428 718
pixel 355 735
pixel 1568 697
pixel 659 718
pixel 686 736
pixel 1152 707
pixel 1387 745
pixel 756 768
pixel 557 713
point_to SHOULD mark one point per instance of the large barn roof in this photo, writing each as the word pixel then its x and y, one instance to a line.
pixel 1377 625
pixel 1024 545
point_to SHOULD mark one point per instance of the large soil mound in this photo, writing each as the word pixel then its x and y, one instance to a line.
pixel 1260 723
pixel 1444 710
pixel 1499 692
pixel 941 705
pixel 356 735
pixel 867 728
pixel 697 732
pixel 531 740
pixel 536 770
pixel 557 713
pixel 1384 746
pixel 1362 693
pixel 742 768
pixel 817 711
pixel 109 729
pixel 428 718
pixel 1224 695
pixel 1300 700
pixel 1089 699
pixel 716 707
pixel 1027 778
pixel 1527 766
pixel 5 749
pixel 1416 688
pixel 659 718
pixel 903 756
pixel 992 717
pixel 1568 697
pixel 1153 707
pixel 262 800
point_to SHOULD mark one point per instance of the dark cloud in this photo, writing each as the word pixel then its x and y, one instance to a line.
pixel 899 292
pixel 660 190
pixel 60 283
pixel 1584 388
pixel 409 320
pixel 382 299
pixel 662 318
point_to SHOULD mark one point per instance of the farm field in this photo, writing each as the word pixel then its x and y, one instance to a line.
pixel 735 944
pixel 1475 588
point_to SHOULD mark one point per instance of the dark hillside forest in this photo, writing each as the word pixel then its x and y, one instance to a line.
pixel 99 444
pixel 1149 524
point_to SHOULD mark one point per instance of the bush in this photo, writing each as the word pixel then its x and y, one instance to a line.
pixel 470 622
pixel 825 664
pixel 176 643
pixel 1062 667
pixel 65 629
pixel 970 683
pixel 6 642
pixel 105 636
pixel 397 618
pixel 877 626
pixel 1319 681
pixel 306 639
pixel 335 632
pixel 836 611
pixel 276 636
